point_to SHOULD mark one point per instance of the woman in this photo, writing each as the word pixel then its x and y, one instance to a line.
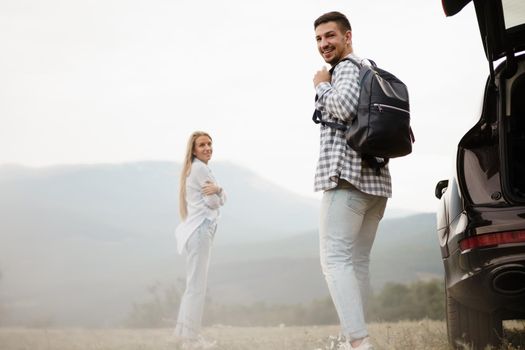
pixel 199 200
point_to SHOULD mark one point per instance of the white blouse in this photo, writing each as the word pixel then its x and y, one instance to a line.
pixel 200 206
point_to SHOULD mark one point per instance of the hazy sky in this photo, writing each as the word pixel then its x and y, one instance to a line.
pixel 125 80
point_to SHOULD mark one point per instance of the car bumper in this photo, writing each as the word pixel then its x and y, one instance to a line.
pixel 489 280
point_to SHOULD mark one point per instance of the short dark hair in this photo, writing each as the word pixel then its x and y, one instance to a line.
pixel 337 17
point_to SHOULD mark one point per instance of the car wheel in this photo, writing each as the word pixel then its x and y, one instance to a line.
pixel 467 326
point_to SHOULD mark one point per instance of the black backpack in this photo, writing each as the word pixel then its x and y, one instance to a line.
pixel 381 128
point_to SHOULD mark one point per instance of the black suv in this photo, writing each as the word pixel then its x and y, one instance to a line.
pixel 481 217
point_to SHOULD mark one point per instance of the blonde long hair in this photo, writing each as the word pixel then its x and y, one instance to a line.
pixel 186 170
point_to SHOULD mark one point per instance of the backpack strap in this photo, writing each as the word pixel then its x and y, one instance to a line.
pixel 317 118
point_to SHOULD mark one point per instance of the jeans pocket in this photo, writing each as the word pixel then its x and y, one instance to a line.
pixel 357 201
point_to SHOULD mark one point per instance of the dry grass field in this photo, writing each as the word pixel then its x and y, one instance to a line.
pixel 422 335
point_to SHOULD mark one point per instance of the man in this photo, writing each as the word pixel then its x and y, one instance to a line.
pixel 355 195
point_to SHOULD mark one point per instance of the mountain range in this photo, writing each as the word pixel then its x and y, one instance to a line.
pixel 79 244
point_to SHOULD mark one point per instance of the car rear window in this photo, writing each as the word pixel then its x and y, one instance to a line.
pixel 514 13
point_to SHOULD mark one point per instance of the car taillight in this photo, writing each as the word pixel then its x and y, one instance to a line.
pixel 492 239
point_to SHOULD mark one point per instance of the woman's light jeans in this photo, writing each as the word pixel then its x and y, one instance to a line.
pixel 198 249
pixel 348 225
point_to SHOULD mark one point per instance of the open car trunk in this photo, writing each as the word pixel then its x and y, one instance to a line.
pixel 491 155
pixel 491 159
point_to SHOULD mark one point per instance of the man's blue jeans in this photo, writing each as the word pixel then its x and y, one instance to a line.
pixel 348 225
pixel 198 249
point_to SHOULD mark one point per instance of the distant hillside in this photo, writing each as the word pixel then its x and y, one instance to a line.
pixel 80 244
pixel 142 198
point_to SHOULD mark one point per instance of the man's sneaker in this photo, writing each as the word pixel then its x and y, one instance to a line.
pixel 365 345
pixel 340 343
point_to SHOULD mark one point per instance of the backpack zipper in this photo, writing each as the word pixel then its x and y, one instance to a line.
pixel 380 107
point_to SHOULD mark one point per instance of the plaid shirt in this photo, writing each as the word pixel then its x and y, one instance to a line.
pixel 337 101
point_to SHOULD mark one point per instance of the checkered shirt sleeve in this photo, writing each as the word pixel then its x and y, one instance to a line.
pixel 337 101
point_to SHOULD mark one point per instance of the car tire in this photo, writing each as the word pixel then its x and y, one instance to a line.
pixel 467 326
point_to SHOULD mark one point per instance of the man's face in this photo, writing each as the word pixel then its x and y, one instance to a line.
pixel 332 43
